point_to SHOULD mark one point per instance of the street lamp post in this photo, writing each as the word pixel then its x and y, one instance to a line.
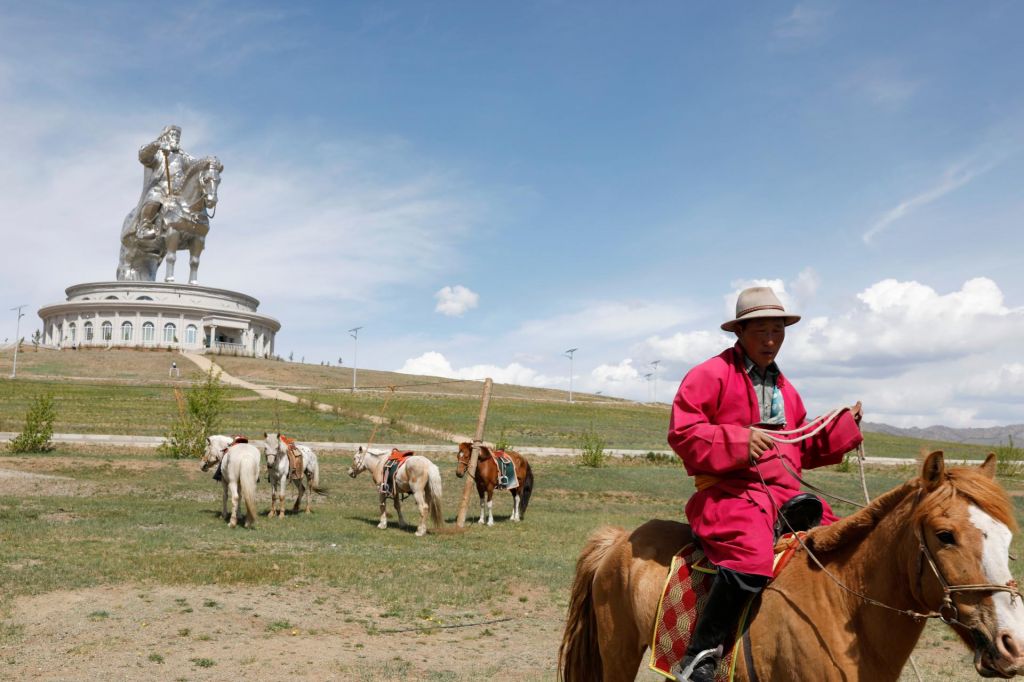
pixel 17 339
pixel 654 364
pixel 569 353
pixel 647 378
pixel 354 333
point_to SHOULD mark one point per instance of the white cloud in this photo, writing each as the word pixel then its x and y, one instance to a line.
pixel 909 322
pixel 606 320
pixel 455 301
pixel 954 178
pixel 806 22
pixel 689 348
pixel 436 364
pixel 615 374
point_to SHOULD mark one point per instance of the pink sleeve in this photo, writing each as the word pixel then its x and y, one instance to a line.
pixel 705 448
pixel 831 443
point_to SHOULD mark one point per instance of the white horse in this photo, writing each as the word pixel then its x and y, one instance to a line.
pixel 278 466
pixel 240 469
pixel 417 475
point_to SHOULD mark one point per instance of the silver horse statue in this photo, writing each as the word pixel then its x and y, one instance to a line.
pixel 179 198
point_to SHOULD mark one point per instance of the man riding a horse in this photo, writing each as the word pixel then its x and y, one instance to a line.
pixel 720 417
pixel 165 165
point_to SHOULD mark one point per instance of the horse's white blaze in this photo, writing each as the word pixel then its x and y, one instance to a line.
pixel 995 557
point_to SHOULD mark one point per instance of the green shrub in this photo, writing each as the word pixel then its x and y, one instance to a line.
pixel 35 437
pixel 592 445
pixel 502 442
pixel 1009 459
pixel 199 415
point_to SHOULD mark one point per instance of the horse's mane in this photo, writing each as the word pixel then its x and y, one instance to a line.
pixel 854 527
pixel 979 489
pixel 200 164
pixel 968 482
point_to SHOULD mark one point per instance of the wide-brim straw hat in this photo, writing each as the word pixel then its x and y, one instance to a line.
pixel 755 303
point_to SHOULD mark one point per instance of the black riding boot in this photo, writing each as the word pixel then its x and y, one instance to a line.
pixel 729 594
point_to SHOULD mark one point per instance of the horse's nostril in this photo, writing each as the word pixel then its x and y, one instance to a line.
pixel 1009 646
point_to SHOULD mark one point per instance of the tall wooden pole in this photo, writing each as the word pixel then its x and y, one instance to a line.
pixel 460 520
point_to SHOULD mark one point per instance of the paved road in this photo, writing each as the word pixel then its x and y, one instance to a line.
pixel 346 448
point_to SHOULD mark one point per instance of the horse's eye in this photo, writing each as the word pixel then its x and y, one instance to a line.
pixel 946 537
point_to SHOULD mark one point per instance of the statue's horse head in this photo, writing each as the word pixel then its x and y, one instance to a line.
pixel 209 181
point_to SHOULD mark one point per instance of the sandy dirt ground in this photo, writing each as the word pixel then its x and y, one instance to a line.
pixel 212 633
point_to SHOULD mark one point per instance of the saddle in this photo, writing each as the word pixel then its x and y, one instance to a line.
pixel 295 465
pixel 506 471
pixel 394 461
pixel 685 595
pixel 803 511
pixel 217 475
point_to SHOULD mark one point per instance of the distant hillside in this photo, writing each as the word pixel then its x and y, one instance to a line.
pixel 993 435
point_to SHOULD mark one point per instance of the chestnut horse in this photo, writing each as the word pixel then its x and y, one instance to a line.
pixel 936 546
pixel 487 480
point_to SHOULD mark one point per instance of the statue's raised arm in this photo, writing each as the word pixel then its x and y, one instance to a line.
pixel 165 167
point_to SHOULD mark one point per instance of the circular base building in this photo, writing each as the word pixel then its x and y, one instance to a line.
pixel 140 314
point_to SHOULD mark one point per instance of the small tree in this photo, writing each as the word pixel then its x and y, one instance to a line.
pixel 199 414
pixel 35 437
pixel 592 446
pixel 1009 459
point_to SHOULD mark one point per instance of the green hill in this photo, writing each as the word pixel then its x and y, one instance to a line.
pixel 129 392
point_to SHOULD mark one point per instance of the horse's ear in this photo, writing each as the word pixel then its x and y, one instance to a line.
pixel 265 434
pixel 934 470
pixel 988 467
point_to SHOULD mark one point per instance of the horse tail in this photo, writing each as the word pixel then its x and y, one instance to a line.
pixel 433 491
pixel 248 475
pixel 314 484
pixel 524 498
pixel 579 658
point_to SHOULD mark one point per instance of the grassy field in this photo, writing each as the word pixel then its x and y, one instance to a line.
pixel 128 392
pixel 133 522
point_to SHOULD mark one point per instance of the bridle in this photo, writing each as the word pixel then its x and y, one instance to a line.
pixel 947 612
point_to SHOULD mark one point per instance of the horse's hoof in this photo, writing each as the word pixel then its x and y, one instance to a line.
pixel 280 514
pixel 232 523
pixel 309 511
pixel 421 533
pixel 490 523
pixel 480 522
pixel 382 526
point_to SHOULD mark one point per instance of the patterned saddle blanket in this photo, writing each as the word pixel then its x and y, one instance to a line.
pixel 395 460
pixel 506 471
pixel 685 594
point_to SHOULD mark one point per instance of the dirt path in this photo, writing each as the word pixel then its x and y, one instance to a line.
pixel 261 633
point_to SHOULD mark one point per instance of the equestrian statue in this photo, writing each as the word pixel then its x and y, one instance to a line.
pixel 179 196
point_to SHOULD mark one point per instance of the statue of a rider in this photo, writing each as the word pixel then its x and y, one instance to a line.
pixel 165 165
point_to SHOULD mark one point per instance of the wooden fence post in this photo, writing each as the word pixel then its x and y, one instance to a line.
pixel 460 520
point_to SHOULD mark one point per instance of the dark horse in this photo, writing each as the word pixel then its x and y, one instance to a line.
pixel 487 480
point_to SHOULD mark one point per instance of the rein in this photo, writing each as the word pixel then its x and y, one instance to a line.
pixel 948 612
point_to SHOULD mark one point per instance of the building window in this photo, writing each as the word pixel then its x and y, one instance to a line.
pixel 144 298
pixel 148 331
pixel 169 335
pixel 111 298
pixel 191 335
pixel 107 331
pixel 72 329
pixel 87 331
pixel 126 331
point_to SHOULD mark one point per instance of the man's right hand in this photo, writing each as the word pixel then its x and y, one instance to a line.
pixel 758 444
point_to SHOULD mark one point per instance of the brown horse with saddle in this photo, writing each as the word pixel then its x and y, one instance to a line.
pixel 501 470
pixel 852 602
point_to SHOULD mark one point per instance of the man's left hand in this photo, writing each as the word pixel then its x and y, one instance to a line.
pixel 857 412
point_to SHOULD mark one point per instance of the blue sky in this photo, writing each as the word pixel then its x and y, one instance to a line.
pixel 481 186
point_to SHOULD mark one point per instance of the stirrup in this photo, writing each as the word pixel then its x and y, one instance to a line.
pixel 145 231
pixel 685 673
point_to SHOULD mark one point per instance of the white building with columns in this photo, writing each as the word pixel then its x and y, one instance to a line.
pixel 186 317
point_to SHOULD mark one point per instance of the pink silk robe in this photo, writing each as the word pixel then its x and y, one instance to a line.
pixel 711 414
